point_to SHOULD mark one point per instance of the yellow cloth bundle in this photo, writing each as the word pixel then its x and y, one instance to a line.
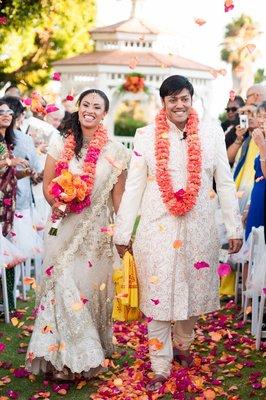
pixel 126 302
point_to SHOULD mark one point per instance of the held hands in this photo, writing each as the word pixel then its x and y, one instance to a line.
pixel 57 213
pixel 234 245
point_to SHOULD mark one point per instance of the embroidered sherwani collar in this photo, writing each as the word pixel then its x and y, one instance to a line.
pixel 174 128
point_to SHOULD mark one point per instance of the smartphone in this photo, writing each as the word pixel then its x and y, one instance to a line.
pixel 243 121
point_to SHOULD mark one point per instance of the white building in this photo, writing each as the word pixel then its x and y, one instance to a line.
pixel 125 47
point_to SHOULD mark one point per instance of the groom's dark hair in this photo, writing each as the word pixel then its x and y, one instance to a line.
pixel 174 84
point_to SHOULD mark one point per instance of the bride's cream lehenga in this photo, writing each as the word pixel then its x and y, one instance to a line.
pixel 73 327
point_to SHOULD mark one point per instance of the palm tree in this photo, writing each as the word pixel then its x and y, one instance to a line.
pixel 239 51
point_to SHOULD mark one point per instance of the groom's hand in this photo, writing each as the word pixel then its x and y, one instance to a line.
pixel 234 245
pixel 121 249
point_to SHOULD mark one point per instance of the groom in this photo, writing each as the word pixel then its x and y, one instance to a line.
pixel 174 162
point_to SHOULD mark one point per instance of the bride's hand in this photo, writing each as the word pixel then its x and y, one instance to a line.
pixel 57 213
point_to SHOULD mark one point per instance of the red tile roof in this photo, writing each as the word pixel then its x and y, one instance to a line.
pixel 125 58
pixel 131 25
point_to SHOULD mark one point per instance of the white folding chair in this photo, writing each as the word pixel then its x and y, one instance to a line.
pixel 259 333
pixel 256 276
pixel 4 306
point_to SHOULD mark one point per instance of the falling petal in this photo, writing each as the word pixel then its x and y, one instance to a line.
pixel 200 21
pixel 250 47
pixel 177 244
pixel 136 153
pixel 133 63
pixel 154 279
pixel 47 329
pixel 77 306
pixel 162 228
pixel 30 281
pixel 240 194
pixel 56 76
pixel 201 265
pixel 228 5
pixel 89 264
pixel 155 344
pixel 212 194
pixel 155 301
pixel 49 271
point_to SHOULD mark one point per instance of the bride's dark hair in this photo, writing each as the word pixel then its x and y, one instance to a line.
pixel 72 125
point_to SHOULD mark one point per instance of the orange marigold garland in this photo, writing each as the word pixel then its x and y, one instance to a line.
pixel 180 202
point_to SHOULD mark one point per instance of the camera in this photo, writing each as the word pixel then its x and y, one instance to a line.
pixel 243 121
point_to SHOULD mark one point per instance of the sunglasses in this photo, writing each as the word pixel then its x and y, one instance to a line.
pixel 6 112
pixel 233 109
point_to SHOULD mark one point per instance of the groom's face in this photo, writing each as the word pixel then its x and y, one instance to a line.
pixel 177 107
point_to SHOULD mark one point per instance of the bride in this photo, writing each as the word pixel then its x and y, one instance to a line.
pixel 73 330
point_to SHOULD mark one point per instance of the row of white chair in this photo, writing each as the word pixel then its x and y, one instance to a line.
pixel 256 284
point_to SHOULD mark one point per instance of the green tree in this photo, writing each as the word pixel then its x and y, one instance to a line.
pixel 239 51
pixel 39 32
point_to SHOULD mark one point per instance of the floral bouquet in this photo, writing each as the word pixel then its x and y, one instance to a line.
pixel 72 192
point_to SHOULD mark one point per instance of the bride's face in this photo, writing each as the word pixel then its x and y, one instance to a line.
pixel 91 111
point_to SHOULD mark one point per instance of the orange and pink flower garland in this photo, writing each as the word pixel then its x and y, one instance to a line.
pixel 76 190
pixel 180 202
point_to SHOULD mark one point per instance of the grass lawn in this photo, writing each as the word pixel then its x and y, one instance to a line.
pixel 227 366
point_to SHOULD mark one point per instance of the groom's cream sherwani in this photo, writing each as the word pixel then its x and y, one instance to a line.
pixel 171 288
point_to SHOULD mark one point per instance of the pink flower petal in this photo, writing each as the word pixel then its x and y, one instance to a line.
pixel 2 347
pixel 201 265
pixel 49 270
pixel 56 76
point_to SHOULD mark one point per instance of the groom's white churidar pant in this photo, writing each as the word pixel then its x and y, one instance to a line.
pixel 183 335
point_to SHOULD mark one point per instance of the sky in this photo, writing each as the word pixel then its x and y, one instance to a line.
pixel 175 18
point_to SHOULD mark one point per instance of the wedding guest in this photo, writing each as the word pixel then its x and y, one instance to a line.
pixel 8 182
